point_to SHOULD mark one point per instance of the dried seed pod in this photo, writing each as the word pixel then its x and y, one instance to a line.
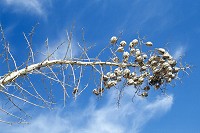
pixel 156 71
pixel 100 90
pixel 105 78
pixel 141 63
pixel 108 74
pixel 111 84
pixel 169 80
pixel 133 74
pixel 173 76
pixel 96 92
pixel 143 68
pixel 144 94
pixel 126 73
pixel 145 74
pixel 123 65
pixel 118 71
pixel 154 63
pixel 165 64
pixel 125 60
pixel 175 69
pixel 132 50
pixel 113 76
pixel 161 50
pixel 119 78
pixel 147 88
pixel 133 43
pixel 75 91
pixel 120 49
pixel 126 54
pixel 145 56
pixel 152 58
pixel 157 86
pixel 113 40
pixel 162 61
pixel 122 43
pixel 169 74
pixel 149 43
pixel 166 55
pixel 169 69
pixel 172 62
pixel 135 79
pixel 139 59
pixel 137 52
pixel 130 82
pixel 115 59
pixel 140 79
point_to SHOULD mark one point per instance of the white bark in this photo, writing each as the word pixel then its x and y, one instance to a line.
pixel 17 73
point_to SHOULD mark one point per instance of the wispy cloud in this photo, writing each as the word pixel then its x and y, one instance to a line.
pixel 179 52
pixel 32 6
pixel 58 46
pixel 129 118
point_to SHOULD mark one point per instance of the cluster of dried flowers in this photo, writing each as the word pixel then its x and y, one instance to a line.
pixel 152 69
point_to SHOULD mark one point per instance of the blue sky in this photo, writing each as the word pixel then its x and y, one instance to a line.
pixel 161 21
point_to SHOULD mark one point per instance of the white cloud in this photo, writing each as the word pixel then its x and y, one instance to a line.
pixel 32 6
pixel 129 118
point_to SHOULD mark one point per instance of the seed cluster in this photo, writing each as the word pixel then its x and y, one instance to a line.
pixel 154 69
